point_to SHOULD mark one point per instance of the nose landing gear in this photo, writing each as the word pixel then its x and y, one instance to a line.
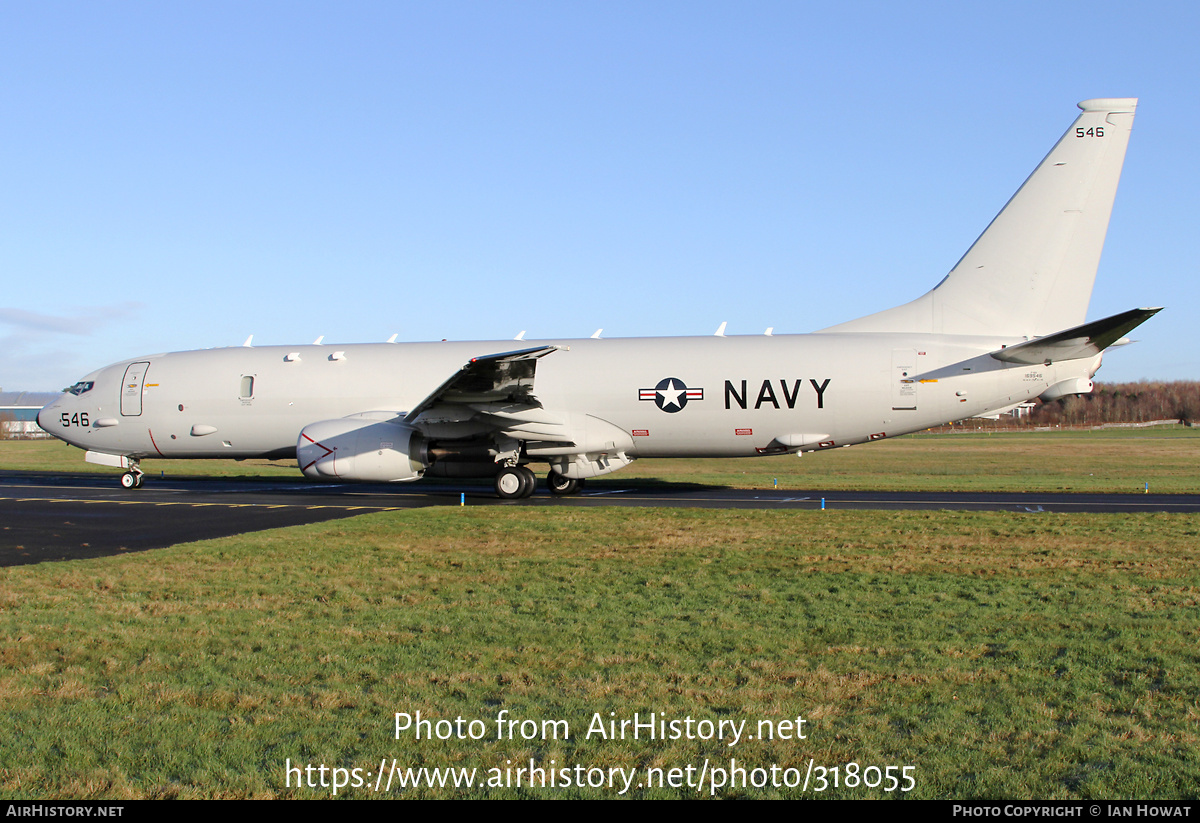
pixel 132 479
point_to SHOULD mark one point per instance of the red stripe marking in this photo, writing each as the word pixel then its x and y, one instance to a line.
pixel 328 451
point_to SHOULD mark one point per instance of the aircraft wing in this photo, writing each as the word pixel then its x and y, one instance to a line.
pixel 1076 343
pixel 497 384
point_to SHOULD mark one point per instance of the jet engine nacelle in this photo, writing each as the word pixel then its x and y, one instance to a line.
pixel 351 448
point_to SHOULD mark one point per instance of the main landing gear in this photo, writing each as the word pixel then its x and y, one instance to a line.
pixel 518 482
pixel 515 482
pixel 562 486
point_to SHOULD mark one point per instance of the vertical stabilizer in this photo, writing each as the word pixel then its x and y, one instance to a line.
pixel 1031 271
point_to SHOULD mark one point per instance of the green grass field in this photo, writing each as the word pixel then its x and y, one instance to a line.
pixel 996 655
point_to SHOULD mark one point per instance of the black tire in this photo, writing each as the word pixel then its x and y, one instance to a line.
pixel 562 486
pixel 530 481
pixel 511 483
pixel 129 480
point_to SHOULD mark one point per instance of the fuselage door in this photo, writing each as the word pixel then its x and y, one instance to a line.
pixel 904 386
pixel 131 389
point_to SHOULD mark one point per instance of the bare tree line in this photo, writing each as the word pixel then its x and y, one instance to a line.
pixel 1142 402
pixel 1139 402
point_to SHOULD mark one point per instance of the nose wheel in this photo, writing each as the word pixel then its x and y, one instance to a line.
pixel 132 479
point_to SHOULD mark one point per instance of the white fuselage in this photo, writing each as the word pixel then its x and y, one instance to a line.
pixel 725 396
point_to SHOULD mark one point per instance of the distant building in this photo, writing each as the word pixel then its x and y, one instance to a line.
pixel 18 413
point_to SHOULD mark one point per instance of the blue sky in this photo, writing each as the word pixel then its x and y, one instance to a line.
pixel 182 175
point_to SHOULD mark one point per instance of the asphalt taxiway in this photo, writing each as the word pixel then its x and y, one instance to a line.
pixel 47 517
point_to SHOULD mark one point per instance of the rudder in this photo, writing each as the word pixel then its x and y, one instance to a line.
pixel 1031 271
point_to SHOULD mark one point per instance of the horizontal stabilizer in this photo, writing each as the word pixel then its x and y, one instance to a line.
pixel 1077 343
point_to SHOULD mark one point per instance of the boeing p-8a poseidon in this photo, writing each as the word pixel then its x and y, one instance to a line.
pixel 1006 325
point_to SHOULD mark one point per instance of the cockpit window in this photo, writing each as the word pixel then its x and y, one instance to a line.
pixel 82 387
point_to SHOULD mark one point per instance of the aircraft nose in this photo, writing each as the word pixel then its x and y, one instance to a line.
pixel 47 416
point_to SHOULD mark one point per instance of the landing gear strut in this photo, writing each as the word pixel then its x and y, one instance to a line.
pixel 515 482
